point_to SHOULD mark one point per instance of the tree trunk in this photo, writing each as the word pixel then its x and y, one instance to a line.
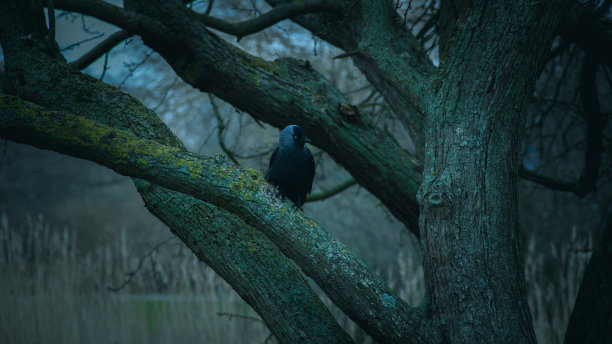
pixel 469 219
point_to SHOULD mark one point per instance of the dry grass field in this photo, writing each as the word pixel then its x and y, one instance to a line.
pixel 52 292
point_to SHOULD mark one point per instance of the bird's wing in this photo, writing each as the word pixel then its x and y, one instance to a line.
pixel 273 156
pixel 311 170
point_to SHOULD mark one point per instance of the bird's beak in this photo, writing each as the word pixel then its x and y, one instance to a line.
pixel 305 139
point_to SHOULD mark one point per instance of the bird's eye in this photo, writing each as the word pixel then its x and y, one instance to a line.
pixel 295 137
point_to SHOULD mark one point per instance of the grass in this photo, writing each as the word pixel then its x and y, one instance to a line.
pixel 51 292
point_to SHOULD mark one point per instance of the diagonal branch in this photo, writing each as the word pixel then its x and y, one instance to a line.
pixel 225 243
pixel 241 191
pixel 346 33
pixel 269 18
pixel 549 182
pixel 378 37
pixel 281 92
pixel 221 129
pixel 102 48
pixel 593 118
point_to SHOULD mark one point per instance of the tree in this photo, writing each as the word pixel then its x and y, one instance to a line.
pixel 457 192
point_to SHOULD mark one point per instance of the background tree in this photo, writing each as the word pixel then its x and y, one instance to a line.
pixel 456 189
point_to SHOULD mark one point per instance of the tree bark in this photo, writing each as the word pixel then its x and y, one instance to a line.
pixel 340 274
pixel 280 93
pixel 469 218
pixel 34 70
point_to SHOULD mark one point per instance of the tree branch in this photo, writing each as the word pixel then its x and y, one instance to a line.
pixel 221 129
pixel 548 182
pixel 585 29
pixel 223 244
pixel 594 125
pixel 102 48
pixel 377 41
pixel 345 33
pixel 269 18
pixel 332 192
pixel 241 191
pixel 282 92
pixel 594 137
pixel 51 17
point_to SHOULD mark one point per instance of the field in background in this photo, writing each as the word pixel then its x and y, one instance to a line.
pixel 51 292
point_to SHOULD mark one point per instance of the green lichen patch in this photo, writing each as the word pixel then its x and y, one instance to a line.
pixel 236 188
pixel 307 220
pixel 259 63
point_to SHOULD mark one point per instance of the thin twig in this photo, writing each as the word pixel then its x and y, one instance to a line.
pixel 104 67
pixel 102 48
pixel 131 274
pixel 51 15
pixel 331 192
pixel 209 7
pixel 246 317
pixel 269 18
pixel 74 45
pixel 220 129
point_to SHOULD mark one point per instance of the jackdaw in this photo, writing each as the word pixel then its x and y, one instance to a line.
pixel 292 167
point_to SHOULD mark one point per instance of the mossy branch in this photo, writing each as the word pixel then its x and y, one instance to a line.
pixel 241 191
pixel 281 92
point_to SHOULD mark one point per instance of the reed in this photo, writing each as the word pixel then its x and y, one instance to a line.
pixel 52 292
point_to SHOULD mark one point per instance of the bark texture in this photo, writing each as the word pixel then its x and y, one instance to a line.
pixel 469 218
pixel 244 192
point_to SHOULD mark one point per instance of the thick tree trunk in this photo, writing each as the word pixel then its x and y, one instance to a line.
pixel 469 219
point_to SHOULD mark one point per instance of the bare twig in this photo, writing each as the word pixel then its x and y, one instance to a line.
pixel 246 317
pixel 331 192
pixel 133 66
pixel 269 18
pixel 51 15
pixel 104 67
pixel 102 48
pixel 346 54
pixel 74 45
pixel 209 7
pixel 594 125
pixel 163 99
pixel 131 274
pixel 220 129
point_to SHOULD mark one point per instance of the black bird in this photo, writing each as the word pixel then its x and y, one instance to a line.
pixel 292 167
